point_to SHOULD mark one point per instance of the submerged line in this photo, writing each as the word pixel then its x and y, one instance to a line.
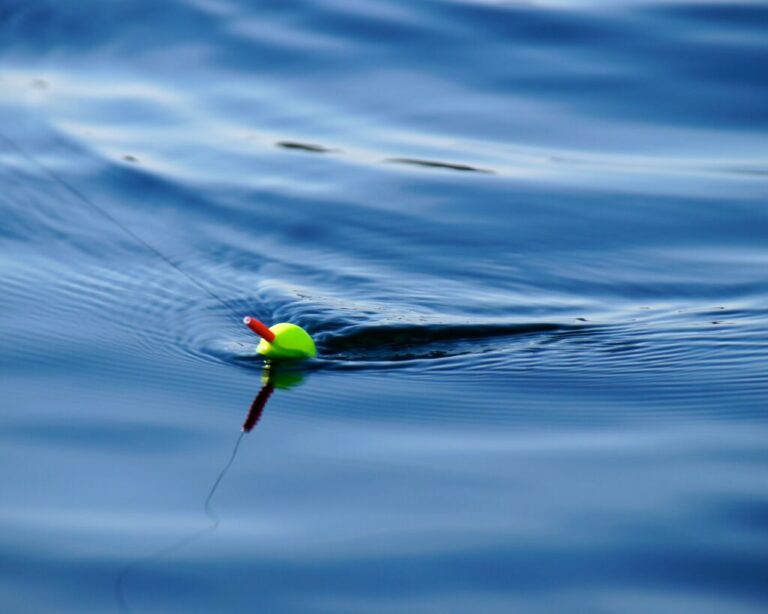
pixel 122 576
pixel 208 509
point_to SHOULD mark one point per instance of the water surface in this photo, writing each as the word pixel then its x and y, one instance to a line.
pixel 531 240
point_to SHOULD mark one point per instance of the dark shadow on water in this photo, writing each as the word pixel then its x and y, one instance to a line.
pixel 413 335
pixel 308 147
pixel 436 164
pixel 402 342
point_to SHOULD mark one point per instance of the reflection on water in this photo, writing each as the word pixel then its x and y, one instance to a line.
pixel 275 375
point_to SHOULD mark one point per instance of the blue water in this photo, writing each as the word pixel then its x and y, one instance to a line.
pixel 530 238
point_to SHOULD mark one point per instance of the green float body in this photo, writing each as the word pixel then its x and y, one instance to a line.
pixel 291 342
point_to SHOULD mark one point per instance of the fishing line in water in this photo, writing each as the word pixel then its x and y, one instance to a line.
pixel 83 198
pixel 122 577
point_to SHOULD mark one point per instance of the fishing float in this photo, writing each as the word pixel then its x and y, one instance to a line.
pixel 283 341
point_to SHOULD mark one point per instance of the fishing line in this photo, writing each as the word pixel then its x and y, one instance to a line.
pixel 79 195
pixel 215 521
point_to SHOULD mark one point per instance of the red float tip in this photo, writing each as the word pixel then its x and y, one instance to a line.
pixel 259 328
